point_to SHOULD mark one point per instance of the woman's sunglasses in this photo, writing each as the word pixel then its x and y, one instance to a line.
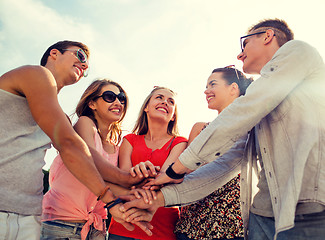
pixel 110 97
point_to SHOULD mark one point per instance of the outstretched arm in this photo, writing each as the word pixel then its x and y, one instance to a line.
pixel 86 129
pixel 39 87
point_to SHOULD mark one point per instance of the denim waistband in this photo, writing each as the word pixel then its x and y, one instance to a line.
pixel 59 223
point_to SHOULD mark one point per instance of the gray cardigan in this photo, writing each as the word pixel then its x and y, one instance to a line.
pixel 287 106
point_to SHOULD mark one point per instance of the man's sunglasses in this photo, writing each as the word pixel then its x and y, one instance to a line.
pixel 243 39
pixel 110 97
pixel 80 54
pixel 82 57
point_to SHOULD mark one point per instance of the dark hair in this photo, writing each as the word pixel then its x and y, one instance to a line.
pixel 63 45
pixel 282 31
pixel 141 126
pixel 93 91
pixel 230 75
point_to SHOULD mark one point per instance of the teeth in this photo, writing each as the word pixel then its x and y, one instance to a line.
pixel 115 110
pixel 162 109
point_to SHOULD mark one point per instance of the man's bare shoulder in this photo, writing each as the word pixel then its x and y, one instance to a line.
pixel 15 80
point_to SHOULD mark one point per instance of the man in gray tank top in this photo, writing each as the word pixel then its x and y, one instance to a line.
pixel 30 119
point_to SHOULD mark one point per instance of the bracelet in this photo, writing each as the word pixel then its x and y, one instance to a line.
pixel 171 173
pixel 111 204
pixel 102 194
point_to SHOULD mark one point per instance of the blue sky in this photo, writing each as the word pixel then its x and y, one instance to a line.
pixel 144 43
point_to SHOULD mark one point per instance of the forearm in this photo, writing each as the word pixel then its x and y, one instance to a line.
pixel 111 173
pixel 117 189
pixel 207 178
pixel 200 183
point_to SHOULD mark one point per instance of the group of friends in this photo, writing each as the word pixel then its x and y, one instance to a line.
pixel 254 172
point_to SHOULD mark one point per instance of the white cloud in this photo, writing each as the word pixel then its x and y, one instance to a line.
pixel 141 43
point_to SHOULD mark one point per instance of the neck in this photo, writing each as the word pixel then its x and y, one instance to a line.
pixel 103 130
pixel 157 132
pixel 59 82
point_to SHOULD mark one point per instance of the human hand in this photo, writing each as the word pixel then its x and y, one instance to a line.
pixel 146 169
pixel 133 203
pixel 147 194
pixel 160 180
pixel 138 217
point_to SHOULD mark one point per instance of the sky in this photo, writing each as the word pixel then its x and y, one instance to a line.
pixel 145 43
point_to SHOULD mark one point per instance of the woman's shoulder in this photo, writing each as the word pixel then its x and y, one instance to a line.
pixel 131 137
pixel 180 139
pixel 85 121
pixel 85 124
pixel 198 127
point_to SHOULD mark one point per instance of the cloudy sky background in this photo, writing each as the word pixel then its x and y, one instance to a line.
pixel 145 43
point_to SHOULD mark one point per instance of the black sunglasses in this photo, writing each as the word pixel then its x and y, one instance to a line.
pixel 243 38
pixel 110 97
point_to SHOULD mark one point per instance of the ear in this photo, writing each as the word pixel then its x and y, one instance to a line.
pixel 234 89
pixel 54 53
pixel 146 109
pixel 269 36
pixel 173 118
pixel 91 105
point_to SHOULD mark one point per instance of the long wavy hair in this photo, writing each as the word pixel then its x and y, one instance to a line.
pixel 141 126
pixel 89 95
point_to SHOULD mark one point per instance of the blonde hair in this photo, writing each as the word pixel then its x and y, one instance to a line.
pixel 141 126
pixel 93 91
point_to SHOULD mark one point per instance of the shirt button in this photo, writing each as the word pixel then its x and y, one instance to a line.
pixel 198 164
pixel 217 154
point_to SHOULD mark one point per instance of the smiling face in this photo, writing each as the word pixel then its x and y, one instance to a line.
pixel 68 63
pixel 219 94
pixel 161 105
pixel 105 111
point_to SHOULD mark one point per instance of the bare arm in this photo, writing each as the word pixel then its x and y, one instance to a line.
pixel 196 129
pixel 86 128
pixel 39 87
pixel 125 153
pixel 173 155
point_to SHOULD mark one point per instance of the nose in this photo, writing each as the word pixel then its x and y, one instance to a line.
pixel 85 68
pixel 240 56
pixel 85 65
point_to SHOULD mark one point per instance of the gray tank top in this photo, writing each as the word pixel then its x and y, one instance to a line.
pixel 22 149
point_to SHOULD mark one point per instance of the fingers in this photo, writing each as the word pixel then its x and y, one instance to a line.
pixel 152 168
pixel 129 226
pixel 146 169
pixel 127 198
pixel 137 203
pixel 145 226
pixel 136 215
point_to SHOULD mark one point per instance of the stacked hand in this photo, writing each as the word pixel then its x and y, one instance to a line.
pixel 141 204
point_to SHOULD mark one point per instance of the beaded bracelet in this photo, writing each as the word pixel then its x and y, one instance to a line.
pixel 171 173
pixel 102 194
pixel 111 204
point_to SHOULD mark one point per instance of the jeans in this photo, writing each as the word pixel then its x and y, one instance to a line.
pixel 19 227
pixel 307 226
pixel 183 236
pixel 117 237
pixel 52 230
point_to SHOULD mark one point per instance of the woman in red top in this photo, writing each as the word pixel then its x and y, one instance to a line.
pixel 154 139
